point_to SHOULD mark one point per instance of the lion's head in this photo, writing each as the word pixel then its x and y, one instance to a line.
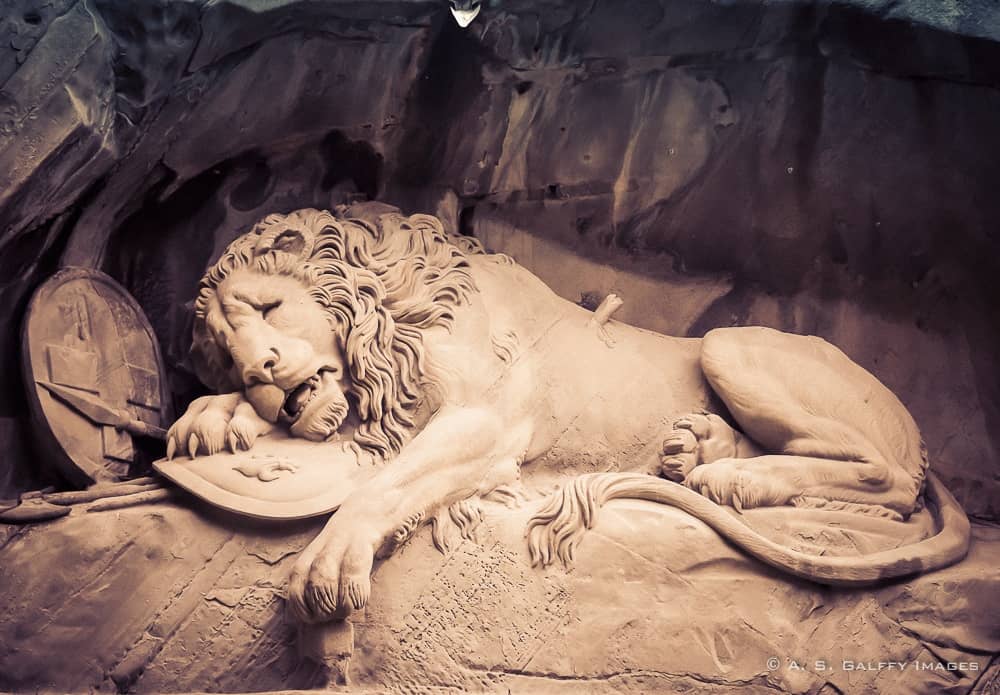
pixel 308 312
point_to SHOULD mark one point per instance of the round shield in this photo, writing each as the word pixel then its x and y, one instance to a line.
pixel 279 477
pixel 93 374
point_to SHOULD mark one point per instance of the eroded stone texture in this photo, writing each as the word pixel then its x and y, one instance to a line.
pixel 56 137
pixel 166 599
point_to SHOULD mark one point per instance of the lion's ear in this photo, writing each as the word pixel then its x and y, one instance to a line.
pixel 290 241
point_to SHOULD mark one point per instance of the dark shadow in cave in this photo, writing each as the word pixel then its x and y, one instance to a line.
pixel 448 86
pixel 351 160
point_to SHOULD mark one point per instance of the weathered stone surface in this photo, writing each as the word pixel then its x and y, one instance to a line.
pixel 56 138
pixel 164 599
pixel 58 112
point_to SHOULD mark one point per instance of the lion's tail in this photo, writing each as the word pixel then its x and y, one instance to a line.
pixel 556 530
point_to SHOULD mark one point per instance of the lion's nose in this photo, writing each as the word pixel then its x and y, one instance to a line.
pixel 261 371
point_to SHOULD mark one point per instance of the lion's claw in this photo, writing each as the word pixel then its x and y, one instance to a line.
pixel 321 600
pixel 212 424
pixel 681 441
pixel 733 483
pixel 297 588
pixel 673 469
pixel 720 482
pixel 331 581
pixel 697 424
pixel 354 592
pixel 696 439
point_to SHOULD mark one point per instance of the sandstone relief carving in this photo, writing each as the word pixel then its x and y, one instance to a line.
pixel 714 164
pixel 93 374
pixel 453 368
pixel 267 469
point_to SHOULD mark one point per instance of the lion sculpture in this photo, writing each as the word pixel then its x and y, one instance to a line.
pixel 455 367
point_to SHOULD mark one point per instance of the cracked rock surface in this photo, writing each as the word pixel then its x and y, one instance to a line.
pixel 166 598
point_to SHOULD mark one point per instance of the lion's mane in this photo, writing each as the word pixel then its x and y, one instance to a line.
pixel 386 280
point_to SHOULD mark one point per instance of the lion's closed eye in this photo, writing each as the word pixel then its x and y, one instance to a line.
pixel 267 310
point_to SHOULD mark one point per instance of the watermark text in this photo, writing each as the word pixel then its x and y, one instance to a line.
pixel 775 663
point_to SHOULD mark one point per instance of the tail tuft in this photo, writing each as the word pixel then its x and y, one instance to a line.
pixel 557 529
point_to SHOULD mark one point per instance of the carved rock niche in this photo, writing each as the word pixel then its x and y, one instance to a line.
pixel 818 169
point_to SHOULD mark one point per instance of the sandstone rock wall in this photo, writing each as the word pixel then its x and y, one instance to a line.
pixel 170 599
pixel 821 168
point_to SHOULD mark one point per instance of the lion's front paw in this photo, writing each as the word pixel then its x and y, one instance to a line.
pixel 213 423
pixel 331 580
pixel 733 482
pixel 696 439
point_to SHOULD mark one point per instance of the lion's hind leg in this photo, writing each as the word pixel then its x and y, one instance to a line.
pixel 805 404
